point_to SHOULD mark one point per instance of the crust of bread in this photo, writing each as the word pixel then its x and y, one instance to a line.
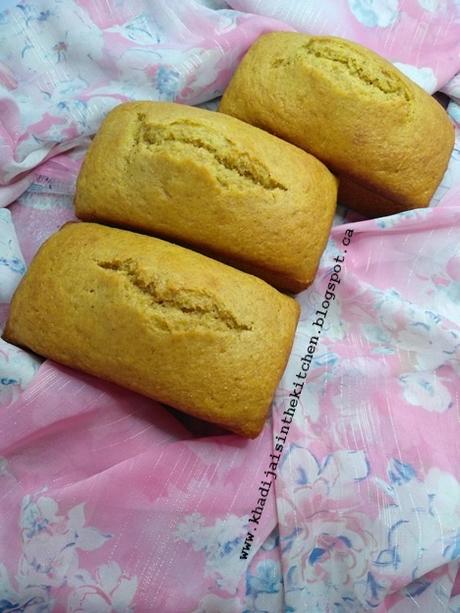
pixel 158 319
pixel 351 109
pixel 211 182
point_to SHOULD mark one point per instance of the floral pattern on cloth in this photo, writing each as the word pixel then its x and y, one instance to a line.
pixel 17 367
pixel 386 378
pixel 365 519
pixel 57 81
pixel 11 261
pixel 111 502
pixel 50 560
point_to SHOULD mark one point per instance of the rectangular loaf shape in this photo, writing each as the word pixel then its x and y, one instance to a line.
pixel 159 319
pixel 213 182
pixel 353 110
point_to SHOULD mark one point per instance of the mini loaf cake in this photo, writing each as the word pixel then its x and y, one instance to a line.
pixel 353 110
pixel 159 319
pixel 213 182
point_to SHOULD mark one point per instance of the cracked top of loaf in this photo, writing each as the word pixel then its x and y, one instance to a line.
pixel 158 319
pixel 213 182
pixel 350 108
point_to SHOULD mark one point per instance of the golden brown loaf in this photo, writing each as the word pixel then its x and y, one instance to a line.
pixel 159 319
pixel 211 181
pixel 352 109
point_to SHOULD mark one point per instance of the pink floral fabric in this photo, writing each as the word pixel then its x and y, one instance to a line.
pixel 350 498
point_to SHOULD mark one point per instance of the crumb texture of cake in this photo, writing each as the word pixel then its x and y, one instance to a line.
pixel 353 110
pixel 158 319
pixel 212 182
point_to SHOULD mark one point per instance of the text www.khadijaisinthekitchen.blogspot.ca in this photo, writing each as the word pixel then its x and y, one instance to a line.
pixel 294 398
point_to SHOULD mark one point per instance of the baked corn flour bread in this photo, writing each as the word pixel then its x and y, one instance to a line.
pixel 350 108
pixel 159 319
pixel 211 181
